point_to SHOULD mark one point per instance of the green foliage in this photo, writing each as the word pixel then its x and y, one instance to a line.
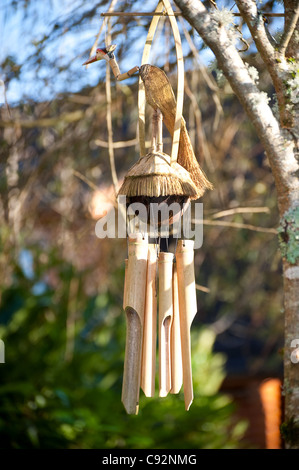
pixel 288 233
pixel 61 382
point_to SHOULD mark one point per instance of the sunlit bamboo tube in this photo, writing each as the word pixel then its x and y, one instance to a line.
pixel 134 308
pixel 188 308
pixel 165 319
pixel 176 350
pixel 148 368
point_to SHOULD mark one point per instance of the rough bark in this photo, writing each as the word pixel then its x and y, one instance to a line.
pixel 291 8
pixel 280 141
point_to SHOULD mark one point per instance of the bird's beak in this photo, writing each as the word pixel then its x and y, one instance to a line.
pixel 90 60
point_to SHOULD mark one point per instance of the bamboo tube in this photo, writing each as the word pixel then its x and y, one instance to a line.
pixel 176 350
pixel 134 308
pixel 165 319
pixel 188 308
pixel 150 326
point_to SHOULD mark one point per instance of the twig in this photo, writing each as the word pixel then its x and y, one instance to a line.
pixel 241 210
pixel 86 180
pixel 257 28
pixel 46 122
pixel 116 145
pixel 5 98
pixel 208 79
pixel 288 33
pixel 199 128
pixel 214 4
pixel 176 13
pixel 93 49
pixel 223 323
pixel 109 119
pixel 237 225
pixel 202 288
pixel 127 143
pixel 71 320
pixel 139 13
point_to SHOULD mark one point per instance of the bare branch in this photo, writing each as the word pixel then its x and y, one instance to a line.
pixel 116 145
pixel 135 14
pixel 289 32
pixel 202 288
pixel 237 225
pixel 279 149
pixel 95 44
pixel 199 128
pixel 86 180
pixel 109 121
pixel 127 143
pixel 241 210
pixel 290 8
pixel 45 122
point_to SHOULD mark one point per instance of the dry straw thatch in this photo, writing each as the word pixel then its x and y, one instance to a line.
pixel 160 95
pixel 154 176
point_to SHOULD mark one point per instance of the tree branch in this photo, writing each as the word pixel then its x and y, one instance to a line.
pixel 290 8
pixel 109 119
pixel 288 33
pixel 274 62
pixel 279 149
pixel 68 118
pixel 73 116
pixel 241 210
pixel 237 225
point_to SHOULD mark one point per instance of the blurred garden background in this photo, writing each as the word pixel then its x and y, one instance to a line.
pixel 61 316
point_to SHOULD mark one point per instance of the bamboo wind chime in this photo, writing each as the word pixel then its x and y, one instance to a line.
pixel 170 296
pixel 159 289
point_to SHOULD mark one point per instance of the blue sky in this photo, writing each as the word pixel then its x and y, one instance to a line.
pixel 19 32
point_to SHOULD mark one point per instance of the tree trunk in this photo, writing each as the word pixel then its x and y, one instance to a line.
pixel 280 141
